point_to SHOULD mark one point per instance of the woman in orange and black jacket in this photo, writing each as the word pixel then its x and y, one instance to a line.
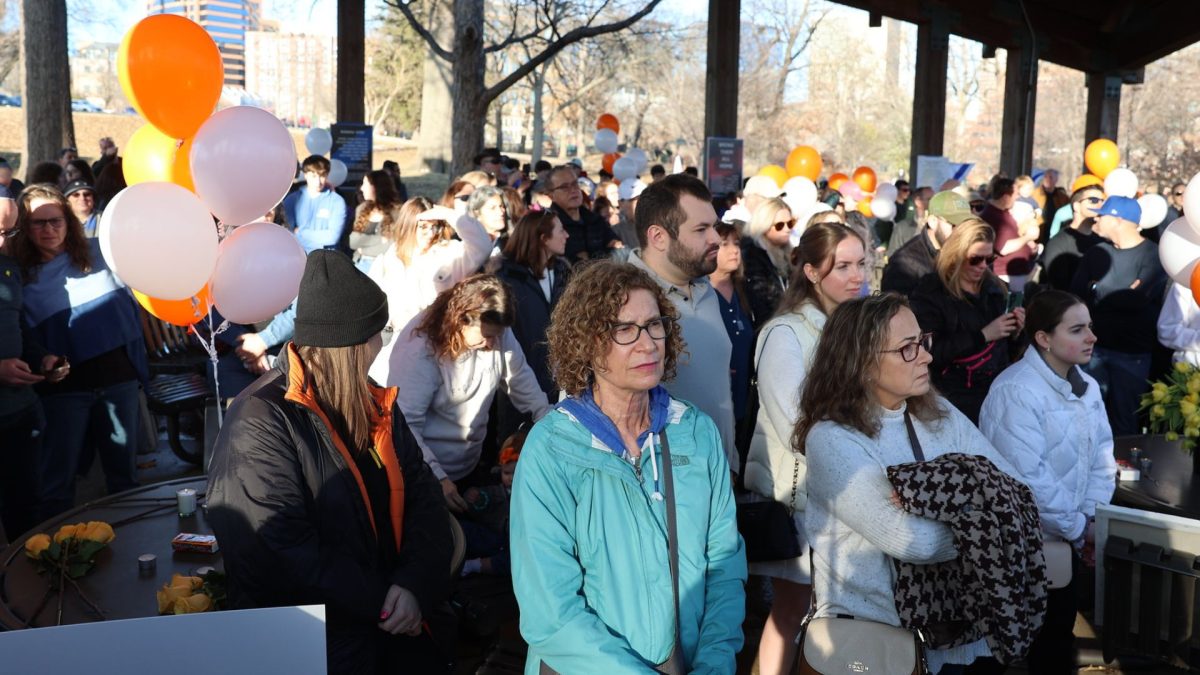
pixel 318 493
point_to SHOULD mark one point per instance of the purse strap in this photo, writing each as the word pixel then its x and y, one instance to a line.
pixel 918 453
pixel 791 507
pixel 672 532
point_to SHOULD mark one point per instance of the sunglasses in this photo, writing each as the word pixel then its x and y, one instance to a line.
pixel 1093 200
pixel 1178 194
pixel 463 198
pixel 976 260
pixel 789 224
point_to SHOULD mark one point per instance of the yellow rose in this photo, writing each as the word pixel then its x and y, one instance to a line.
pixel 193 603
pixel 1172 436
pixel 1181 367
pixel 1187 408
pixel 1158 395
pixel 98 531
pixel 1158 412
pixel 1193 384
pixel 69 532
pixel 36 544
pixel 1191 432
pixel 190 583
pixel 168 595
pixel 1192 398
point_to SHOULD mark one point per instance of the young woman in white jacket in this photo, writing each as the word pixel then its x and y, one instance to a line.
pixel 448 364
pixel 831 270
pixel 424 261
pixel 1046 416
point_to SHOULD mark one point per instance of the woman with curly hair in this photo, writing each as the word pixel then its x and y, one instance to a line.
pixel 448 364
pixel 625 550
pixel 423 260
pixel 374 218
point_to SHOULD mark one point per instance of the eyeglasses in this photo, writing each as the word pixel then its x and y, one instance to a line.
pixel 462 198
pixel 789 224
pixel 425 226
pixel 566 186
pixel 43 223
pixel 910 351
pixel 1179 194
pixel 976 260
pixel 628 333
pixel 978 207
pixel 1092 200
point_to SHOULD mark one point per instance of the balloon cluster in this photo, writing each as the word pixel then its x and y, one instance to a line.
pixel 320 142
pixel 607 140
pixel 184 167
pixel 861 190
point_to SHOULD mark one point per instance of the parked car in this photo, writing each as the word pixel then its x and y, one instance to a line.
pixel 80 105
pixel 10 101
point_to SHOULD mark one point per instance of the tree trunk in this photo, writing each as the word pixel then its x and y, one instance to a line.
pixel 351 60
pixel 498 111
pixel 539 123
pixel 470 109
pixel 46 87
pixel 435 140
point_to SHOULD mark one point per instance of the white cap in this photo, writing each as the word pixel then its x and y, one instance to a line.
pixel 763 186
pixel 630 189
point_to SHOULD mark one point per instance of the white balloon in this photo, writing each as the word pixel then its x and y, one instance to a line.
pixel 242 160
pixel 606 140
pixel 638 155
pixel 1179 249
pixel 803 217
pixel 258 272
pixel 337 172
pixel 883 208
pixel 1121 183
pixel 800 193
pixel 1191 202
pixel 886 191
pixel 1154 210
pixel 318 141
pixel 159 239
pixel 624 168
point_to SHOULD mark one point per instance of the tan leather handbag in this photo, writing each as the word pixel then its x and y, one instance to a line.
pixel 1058 563
pixel 834 646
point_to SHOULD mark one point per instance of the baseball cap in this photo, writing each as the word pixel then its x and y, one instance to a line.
pixel 76 186
pixel 951 207
pixel 1121 207
pixel 763 186
pixel 630 189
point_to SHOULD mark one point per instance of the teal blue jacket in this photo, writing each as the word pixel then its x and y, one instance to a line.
pixel 589 551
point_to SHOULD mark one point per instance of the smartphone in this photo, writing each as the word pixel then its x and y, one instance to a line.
pixel 1015 299
pixel 58 366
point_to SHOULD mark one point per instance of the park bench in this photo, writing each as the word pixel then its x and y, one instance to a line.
pixel 177 386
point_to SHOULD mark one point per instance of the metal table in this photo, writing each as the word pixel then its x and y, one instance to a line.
pixel 1172 486
pixel 145 520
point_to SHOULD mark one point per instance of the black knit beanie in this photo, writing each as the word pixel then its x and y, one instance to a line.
pixel 338 305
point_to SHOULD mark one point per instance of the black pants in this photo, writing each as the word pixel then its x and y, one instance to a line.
pixel 1053 650
pixel 22 443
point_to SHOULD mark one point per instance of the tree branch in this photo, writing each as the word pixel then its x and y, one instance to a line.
pixel 421 30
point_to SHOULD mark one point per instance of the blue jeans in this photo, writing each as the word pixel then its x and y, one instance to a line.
pixel 1123 379
pixel 105 419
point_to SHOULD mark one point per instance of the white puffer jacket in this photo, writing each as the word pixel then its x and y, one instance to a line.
pixel 1060 443
pixel 784 352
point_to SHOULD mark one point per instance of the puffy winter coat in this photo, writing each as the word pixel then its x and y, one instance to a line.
pixel 764 285
pixel 786 345
pixel 589 550
pixel 1058 440
pixel 533 314
pixel 296 525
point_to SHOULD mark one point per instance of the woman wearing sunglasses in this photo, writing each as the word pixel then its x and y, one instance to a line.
pixel 965 306
pixel 766 248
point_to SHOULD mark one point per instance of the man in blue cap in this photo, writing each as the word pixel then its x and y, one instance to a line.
pixel 1123 283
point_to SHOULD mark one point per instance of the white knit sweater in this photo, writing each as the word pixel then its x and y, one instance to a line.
pixel 854 528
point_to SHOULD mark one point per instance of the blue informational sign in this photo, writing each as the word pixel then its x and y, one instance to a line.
pixel 353 145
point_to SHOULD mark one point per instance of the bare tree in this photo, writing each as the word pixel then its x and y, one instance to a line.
pixel 47 85
pixel 556 24
pixel 395 58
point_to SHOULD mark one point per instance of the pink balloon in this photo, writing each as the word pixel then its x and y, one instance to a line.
pixel 243 160
pixel 851 190
pixel 258 272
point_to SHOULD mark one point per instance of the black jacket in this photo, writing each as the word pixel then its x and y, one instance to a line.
pixel 764 286
pixel 908 265
pixel 964 363
pixel 533 314
pixel 293 525
pixel 16 341
pixel 591 234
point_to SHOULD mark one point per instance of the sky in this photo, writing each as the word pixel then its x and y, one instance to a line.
pixel 107 20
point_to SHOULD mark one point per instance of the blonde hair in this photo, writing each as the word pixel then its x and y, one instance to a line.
pixel 761 221
pixel 953 256
pixel 1022 181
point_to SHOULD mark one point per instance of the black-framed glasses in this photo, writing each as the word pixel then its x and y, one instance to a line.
pixel 789 224
pixel 911 350
pixel 628 333
pixel 42 223
pixel 567 186
pixel 978 207
pixel 976 260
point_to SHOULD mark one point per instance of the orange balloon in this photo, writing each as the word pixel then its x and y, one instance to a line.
pixel 864 176
pixel 149 155
pixel 774 172
pixel 864 207
pixel 1101 157
pixel 804 161
pixel 1195 284
pixel 608 160
pixel 171 72
pixel 178 312
pixel 1086 180
pixel 608 121
pixel 836 180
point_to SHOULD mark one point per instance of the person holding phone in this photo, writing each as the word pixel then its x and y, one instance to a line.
pixel 966 306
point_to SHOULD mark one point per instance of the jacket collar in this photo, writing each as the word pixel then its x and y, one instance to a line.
pixel 1073 385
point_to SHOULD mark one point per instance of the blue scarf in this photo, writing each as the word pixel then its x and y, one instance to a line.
pixel 584 409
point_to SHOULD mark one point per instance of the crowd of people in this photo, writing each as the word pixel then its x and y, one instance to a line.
pixel 593 379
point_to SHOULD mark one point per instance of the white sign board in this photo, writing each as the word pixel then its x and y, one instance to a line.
pixel 275 640
pixel 934 170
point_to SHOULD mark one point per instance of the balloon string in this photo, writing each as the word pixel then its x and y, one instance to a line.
pixel 210 346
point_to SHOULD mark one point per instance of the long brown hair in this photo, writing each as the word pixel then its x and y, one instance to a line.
pixel 481 298
pixel 838 387
pixel 527 243
pixel 22 248
pixel 337 377
pixel 953 257
pixel 386 200
pixel 817 247
pixel 404 233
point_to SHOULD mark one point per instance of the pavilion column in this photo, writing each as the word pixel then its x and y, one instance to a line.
pixel 929 91
pixel 1020 106
pixel 1103 106
pixel 721 80
pixel 351 60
